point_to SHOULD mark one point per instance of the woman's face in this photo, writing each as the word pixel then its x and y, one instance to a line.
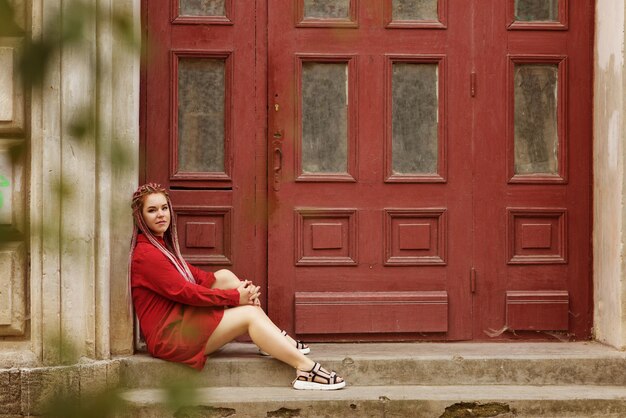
pixel 156 213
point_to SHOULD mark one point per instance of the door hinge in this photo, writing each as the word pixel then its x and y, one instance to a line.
pixel 473 84
pixel 473 280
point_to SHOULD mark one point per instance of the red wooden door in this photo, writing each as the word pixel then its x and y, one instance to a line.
pixel 532 168
pixel 429 161
pixel 201 126
pixel 370 218
pixel 371 236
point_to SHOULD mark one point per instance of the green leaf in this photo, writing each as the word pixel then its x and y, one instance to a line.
pixel 8 27
pixel 34 61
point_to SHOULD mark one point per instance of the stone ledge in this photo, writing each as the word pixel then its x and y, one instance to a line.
pixel 18 359
pixel 380 364
pixel 25 391
pixel 389 402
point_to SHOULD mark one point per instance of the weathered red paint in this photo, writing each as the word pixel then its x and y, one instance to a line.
pixel 472 252
pixel 381 213
pixel 529 274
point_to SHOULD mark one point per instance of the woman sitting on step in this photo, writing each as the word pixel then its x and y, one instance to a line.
pixel 186 313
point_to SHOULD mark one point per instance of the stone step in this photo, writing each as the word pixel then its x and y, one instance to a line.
pixel 388 402
pixel 379 364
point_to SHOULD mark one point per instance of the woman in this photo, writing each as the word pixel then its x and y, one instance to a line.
pixel 186 313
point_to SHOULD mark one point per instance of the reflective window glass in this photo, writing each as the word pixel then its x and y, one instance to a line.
pixel 415 122
pixel 202 8
pixel 326 9
pixel 201 105
pixel 414 10
pixel 537 10
pixel 324 117
pixel 536 128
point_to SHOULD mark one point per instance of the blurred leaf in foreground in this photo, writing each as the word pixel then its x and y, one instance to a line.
pixel 8 27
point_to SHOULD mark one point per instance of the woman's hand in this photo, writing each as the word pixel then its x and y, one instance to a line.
pixel 248 293
pixel 255 298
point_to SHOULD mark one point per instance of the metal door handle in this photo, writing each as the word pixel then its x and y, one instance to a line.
pixel 277 165
pixel 278 159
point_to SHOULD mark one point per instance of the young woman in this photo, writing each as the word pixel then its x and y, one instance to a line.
pixel 186 313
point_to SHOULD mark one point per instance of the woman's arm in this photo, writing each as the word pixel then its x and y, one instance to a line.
pixel 151 269
pixel 203 278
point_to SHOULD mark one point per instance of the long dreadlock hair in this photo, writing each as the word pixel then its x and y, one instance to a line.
pixel 171 249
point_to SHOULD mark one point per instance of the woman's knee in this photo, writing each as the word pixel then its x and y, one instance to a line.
pixel 225 279
pixel 254 312
pixel 246 314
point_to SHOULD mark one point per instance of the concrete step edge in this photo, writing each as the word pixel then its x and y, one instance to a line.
pixel 390 401
pixel 403 364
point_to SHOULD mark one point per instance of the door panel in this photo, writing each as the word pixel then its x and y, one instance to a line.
pixel 532 169
pixel 416 119
pixel 370 215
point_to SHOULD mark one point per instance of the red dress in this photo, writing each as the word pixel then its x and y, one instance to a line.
pixel 176 317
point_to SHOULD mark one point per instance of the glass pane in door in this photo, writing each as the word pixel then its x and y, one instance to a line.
pixel 202 8
pixel 201 110
pixel 415 118
pixel 537 10
pixel 326 9
pixel 324 117
pixel 535 120
pixel 414 10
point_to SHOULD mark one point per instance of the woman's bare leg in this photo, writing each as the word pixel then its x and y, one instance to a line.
pixel 226 279
pixel 252 320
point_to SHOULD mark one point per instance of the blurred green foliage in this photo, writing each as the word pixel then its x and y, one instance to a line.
pixel 73 25
pixel 3 183
pixel 106 400
pixel 104 404
pixel 177 394
pixel 8 27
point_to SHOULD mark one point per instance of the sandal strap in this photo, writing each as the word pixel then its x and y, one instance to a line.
pixel 299 344
pixel 317 372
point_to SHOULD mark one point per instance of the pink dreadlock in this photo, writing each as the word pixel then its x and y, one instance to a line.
pixel 172 249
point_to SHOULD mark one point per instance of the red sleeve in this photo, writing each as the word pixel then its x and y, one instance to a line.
pixel 203 278
pixel 158 274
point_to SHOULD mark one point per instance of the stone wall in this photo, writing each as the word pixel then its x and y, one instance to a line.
pixel 29 392
pixel 75 290
pixel 14 140
pixel 608 159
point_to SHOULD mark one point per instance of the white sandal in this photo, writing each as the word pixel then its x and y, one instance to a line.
pixel 302 347
pixel 311 380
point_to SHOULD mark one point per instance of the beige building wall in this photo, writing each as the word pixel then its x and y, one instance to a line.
pixel 15 327
pixel 609 211
pixel 75 289
pixel 51 285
